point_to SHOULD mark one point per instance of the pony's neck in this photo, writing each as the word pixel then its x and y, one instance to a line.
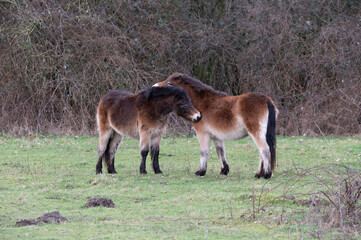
pixel 163 110
pixel 198 98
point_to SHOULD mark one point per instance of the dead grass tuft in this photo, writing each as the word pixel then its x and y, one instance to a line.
pixel 334 203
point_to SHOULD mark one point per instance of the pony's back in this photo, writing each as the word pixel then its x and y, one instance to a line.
pixel 113 96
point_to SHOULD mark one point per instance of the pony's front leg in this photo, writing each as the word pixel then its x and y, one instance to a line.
pixel 204 153
pixel 154 153
pixel 221 152
pixel 144 149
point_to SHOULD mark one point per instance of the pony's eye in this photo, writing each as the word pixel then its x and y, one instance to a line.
pixel 170 84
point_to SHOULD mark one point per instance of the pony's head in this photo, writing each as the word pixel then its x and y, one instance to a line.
pixel 185 108
pixel 173 80
pixel 191 85
pixel 182 104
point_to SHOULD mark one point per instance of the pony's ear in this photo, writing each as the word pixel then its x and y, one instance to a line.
pixel 147 94
pixel 176 76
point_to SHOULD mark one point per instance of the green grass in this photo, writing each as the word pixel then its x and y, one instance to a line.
pixel 47 173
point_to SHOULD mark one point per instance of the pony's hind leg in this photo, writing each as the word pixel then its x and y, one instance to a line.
pixel 264 167
pixel 204 153
pixel 154 153
pixel 221 152
pixel 265 140
pixel 104 136
pixel 144 149
pixel 112 148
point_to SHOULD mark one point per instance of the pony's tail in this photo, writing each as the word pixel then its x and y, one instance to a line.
pixel 271 132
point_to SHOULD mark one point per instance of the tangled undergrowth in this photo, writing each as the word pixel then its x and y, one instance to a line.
pixel 57 58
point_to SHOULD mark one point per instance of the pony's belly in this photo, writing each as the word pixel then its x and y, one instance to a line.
pixel 228 135
pixel 132 131
pixel 237 131
pixel 129 131
pixel 134 135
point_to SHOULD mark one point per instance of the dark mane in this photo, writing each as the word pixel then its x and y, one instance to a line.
pixel 196 84
pixel 161 92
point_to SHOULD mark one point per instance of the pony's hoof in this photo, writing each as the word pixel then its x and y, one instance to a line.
pixel 225 170
pixel 158 172
pixel 200 173
pixel 258 175
pixel 112 171
pixel 143 172
pixel 267 175
pixel 98 171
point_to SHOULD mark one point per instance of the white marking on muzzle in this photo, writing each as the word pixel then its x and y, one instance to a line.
pixel 155 85
pixel 196 116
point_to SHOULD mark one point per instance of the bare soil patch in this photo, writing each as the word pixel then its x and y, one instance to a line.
pixel 53 217
pixel 96 202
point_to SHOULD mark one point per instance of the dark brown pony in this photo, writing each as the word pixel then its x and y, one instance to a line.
pixel 230 118
pixel 144 116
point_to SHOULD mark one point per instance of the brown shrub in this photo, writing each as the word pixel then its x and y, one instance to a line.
pixel 58 58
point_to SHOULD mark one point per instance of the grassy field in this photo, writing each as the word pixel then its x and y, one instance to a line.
pixel 57 173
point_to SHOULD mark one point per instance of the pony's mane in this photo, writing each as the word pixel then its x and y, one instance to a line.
pixel 160 92
pixel 196 84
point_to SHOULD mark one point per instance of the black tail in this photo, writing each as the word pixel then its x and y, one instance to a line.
pixel 271 133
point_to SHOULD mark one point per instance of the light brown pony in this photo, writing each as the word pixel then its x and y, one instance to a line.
pixel 144 116
pixel 230 118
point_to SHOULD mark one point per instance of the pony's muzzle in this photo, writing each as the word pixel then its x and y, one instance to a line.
pixel 196 117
